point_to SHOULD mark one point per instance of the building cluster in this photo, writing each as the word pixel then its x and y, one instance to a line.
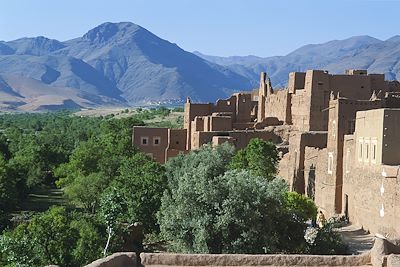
pixel 337 136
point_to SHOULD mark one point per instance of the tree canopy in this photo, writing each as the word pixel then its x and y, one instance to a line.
pixel 259 157
pixel 210 209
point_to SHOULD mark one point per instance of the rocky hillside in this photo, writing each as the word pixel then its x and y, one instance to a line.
pixel 112 64
pixel 360 52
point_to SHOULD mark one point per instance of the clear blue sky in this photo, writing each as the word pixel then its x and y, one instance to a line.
pixel 216 27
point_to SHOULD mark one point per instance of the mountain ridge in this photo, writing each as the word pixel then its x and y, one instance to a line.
pixel 123 64
pixel 122 61
pixel 357 52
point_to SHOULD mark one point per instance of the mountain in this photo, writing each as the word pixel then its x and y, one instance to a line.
pixel 116 64
pixel 359 52
pixel 123 64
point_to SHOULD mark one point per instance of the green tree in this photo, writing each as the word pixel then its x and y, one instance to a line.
pixel 141 182
pixel 17 248
pixel 85 190
pixel 235 212
pixel 4 149
pixel 260 157
pixel 8 190
pixel 207 209
pixel 112 204
pixel 46 239
pixel 53 237
pixel 89 245
pixel 301 205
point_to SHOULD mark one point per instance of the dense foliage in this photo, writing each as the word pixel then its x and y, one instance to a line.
pixel 86 157
pixel 212 200
pixel 210 209
pixel 259 157
pixel 55 237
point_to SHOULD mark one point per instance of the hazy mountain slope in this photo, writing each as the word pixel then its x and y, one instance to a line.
pixel 362 52
pixel 23 93
pixel 225 61
pixel 36 46
pixel 63 71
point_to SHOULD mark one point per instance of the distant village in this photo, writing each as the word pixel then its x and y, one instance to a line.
pixel 337 136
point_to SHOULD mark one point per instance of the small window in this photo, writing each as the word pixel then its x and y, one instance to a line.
pixel 360 149
pixel 334 129
pixel 366 150
pixel 228 103
pixel 330 162
pixel 156 140
pixel 177 142
pixel 144 141
pixel 348 161
pixel 374 145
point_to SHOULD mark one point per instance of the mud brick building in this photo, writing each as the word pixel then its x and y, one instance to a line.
pixel 338 136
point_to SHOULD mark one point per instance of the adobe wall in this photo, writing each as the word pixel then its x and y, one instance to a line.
pixel 308 105
pixel 225 105
pixel 154 149
pixel 240 138
pixel 300 110
pixel 284 170
pixel 320 185
pixel 278 105
pixel 244 108
pixel 198 124
pixel 298 141
pixel 372 201
pixel 391 133
pixel 220 123
pixel 296 81
pixel 243 125
pixel 190 112
pixel 177 143
pixel 342 117
pixel 218 140
pixel 177 139
pixel 382 127
pixel 357 86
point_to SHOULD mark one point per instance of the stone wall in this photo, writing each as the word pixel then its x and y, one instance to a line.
pixel 165 259
pixel 122 259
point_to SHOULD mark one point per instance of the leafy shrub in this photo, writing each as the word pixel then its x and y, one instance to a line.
pixel 325 240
